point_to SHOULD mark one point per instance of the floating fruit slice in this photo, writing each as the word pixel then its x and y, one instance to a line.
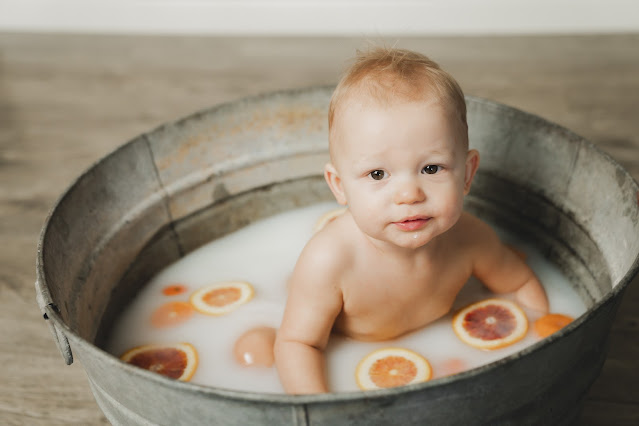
pixel 327 217
pixel 390 367
pixel 171 314
pixel 550 323
pixel 174 289
pixel 491 324
pixel 177 361
pixel 221 298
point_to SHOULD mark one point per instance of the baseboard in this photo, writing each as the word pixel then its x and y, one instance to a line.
pixel 329 17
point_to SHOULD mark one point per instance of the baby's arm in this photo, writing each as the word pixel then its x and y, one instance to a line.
pixel 502 270
pixel 313 303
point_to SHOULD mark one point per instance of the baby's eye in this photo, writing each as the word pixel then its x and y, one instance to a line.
pixel 377 174
pixel 431 169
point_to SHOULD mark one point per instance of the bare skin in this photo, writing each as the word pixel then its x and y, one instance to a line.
pixel 397 258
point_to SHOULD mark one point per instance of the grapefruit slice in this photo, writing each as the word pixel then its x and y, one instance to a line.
pixel 550 323
pixel 221 298
pixel 174 289
pixel 390 367
pixel 491 324
pixel 171 314
pixel 176 361
pixel 327 217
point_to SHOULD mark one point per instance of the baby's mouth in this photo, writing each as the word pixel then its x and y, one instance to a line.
pixel 412 223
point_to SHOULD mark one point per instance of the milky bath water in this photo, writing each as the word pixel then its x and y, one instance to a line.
pixel 264 254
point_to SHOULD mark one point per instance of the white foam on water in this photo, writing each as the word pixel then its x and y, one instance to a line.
pixel 264 254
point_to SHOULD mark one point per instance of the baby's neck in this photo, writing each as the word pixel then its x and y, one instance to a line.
pixel 393 251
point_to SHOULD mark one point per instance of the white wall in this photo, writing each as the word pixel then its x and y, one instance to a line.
pixel 346 17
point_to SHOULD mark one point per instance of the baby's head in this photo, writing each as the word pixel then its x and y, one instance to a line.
pixel 388 76
pixel 398 142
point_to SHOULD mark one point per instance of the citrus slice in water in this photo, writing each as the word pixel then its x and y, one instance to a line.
pixel 391 367
pixel 491 324
pixel 221 298
pixel 177 361
pixel 327 217
pixel 550 323
pixel 171 314
pixel 174 289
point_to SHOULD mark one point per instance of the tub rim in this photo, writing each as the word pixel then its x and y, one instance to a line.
pixel 63 333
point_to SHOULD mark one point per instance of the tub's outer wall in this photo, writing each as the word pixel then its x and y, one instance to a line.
pixel 544 387
pixel 111 212
pixel 553 163
pixel 173 174
pixel 220 152
pixel 158 179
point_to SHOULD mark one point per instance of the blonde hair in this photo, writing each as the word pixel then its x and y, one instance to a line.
pixel 389 75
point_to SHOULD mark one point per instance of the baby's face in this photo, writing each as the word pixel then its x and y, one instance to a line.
pixel 401 169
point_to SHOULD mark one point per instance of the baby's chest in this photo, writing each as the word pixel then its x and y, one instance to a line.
pixel 383 293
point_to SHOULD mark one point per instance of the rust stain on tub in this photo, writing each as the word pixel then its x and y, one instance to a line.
pixel 279 122
pixel 286 119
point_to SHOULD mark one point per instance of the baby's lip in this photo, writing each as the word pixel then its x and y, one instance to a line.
pixel 413 218
pixel 412 223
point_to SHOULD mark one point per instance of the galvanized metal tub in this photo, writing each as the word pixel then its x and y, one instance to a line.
pixel 169 191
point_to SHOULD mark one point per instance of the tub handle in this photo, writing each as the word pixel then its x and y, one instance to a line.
pixel 47 307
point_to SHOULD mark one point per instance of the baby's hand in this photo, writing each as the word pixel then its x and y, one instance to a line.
pixel 520 253
pixel 533 296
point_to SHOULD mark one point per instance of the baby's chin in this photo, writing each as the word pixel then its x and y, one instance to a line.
pixel 407 240
pixel 414 241
pixel 417 239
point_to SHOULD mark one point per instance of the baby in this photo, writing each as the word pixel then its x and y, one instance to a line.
pixel 397 258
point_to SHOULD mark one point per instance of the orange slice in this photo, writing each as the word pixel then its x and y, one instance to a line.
pixel 390 367
pixel 491 324
pixel 171 314
pixel 177 361
pixel 174 289
pixel 327 217
pixel 550 323
pixel 221 298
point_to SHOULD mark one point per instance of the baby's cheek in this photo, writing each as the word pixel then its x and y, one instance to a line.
pixel 450 203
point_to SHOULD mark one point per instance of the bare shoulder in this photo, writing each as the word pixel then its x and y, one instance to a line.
pixel 483 245
pixel 325 257
pixel 475 232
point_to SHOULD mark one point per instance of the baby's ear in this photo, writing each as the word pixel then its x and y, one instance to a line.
pixel 472 163
pixel 334 183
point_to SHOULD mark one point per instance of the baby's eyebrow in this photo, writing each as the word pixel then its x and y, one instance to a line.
pixel 369 159
pixel 362 166
pixel 437 152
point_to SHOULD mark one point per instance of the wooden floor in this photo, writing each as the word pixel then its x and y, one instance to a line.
pixel 66 101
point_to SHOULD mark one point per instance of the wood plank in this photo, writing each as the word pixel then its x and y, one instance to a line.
pixel 67 100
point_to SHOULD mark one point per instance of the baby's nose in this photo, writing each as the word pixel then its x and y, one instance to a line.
pixel 409 192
